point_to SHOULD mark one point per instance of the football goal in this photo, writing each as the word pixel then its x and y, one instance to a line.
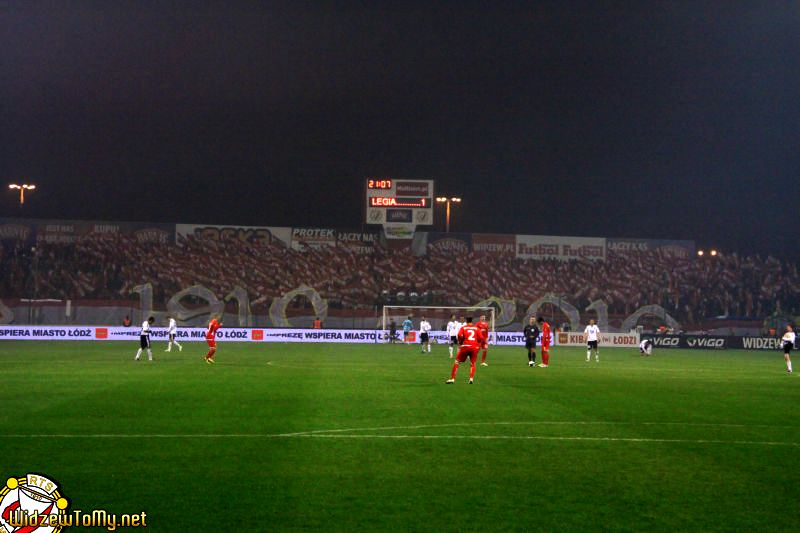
pixel 438 316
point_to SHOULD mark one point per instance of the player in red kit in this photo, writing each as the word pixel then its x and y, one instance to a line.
pixel 213 326
pixel 546 340
pixel 470 338
pixel 484 327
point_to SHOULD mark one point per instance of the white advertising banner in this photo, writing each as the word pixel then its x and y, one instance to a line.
pixel 355 336
pixel 616 340
pixel 504 338
pixel 101 333
pixel 304 238
pixel 560 248
pixel 373 336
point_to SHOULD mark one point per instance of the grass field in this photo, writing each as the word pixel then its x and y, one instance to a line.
pixel 332 437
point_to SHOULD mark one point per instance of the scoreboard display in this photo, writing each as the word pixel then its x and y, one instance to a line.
pixel 399 201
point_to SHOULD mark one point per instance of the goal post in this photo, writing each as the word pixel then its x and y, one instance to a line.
pixel 437 315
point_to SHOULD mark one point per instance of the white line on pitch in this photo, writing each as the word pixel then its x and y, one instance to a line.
pixel 542 437
pixel 335 432
pixel 408 437
pixel 541 422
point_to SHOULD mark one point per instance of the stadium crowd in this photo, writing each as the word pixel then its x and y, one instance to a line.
pixel 108 267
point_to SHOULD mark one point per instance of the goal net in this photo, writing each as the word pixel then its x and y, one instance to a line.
pixel 438 316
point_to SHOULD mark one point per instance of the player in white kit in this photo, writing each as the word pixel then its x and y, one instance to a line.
pixel 592 334
pixel 452 331
pixel 144 339
pixel 172 331
pixel 424 335
pixel 787 343
pixel 646 347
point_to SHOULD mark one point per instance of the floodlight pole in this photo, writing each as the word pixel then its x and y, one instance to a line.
pixel 22 188
pixel 447 202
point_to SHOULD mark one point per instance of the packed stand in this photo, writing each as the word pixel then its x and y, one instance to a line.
pixel 108 267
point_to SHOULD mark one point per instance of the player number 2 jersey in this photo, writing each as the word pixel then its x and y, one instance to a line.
pixel 471 336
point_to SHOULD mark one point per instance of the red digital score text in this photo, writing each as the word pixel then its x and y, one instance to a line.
pixel 379 201
pixel 379 184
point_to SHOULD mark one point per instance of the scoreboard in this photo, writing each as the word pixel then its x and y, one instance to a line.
pixel 399 201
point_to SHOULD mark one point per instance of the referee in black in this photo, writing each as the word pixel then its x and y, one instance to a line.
pixel 531 333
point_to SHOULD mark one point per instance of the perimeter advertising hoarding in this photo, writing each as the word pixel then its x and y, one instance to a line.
pixel 141 231
pixel 62 231
pixel 493 244
pixel 694 342
pixel 117 333
pixel 505 338
pixel 69 231
pixel 500 338
pixel 18 230
pixel 684 249
pixel 760 343
pixel 715 342
pixel 303 238
pixel 249 234
pixel 560 248
pixel 615 340
pixel 452 243
pixel 362 243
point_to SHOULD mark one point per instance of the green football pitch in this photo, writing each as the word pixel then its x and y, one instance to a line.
pixel 365 437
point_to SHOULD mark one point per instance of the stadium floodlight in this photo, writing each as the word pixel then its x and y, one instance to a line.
pixel 22 188
pixel 713 253
pixel 448 201
pixel 700 253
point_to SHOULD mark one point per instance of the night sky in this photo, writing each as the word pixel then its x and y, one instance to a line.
pixel 617 119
